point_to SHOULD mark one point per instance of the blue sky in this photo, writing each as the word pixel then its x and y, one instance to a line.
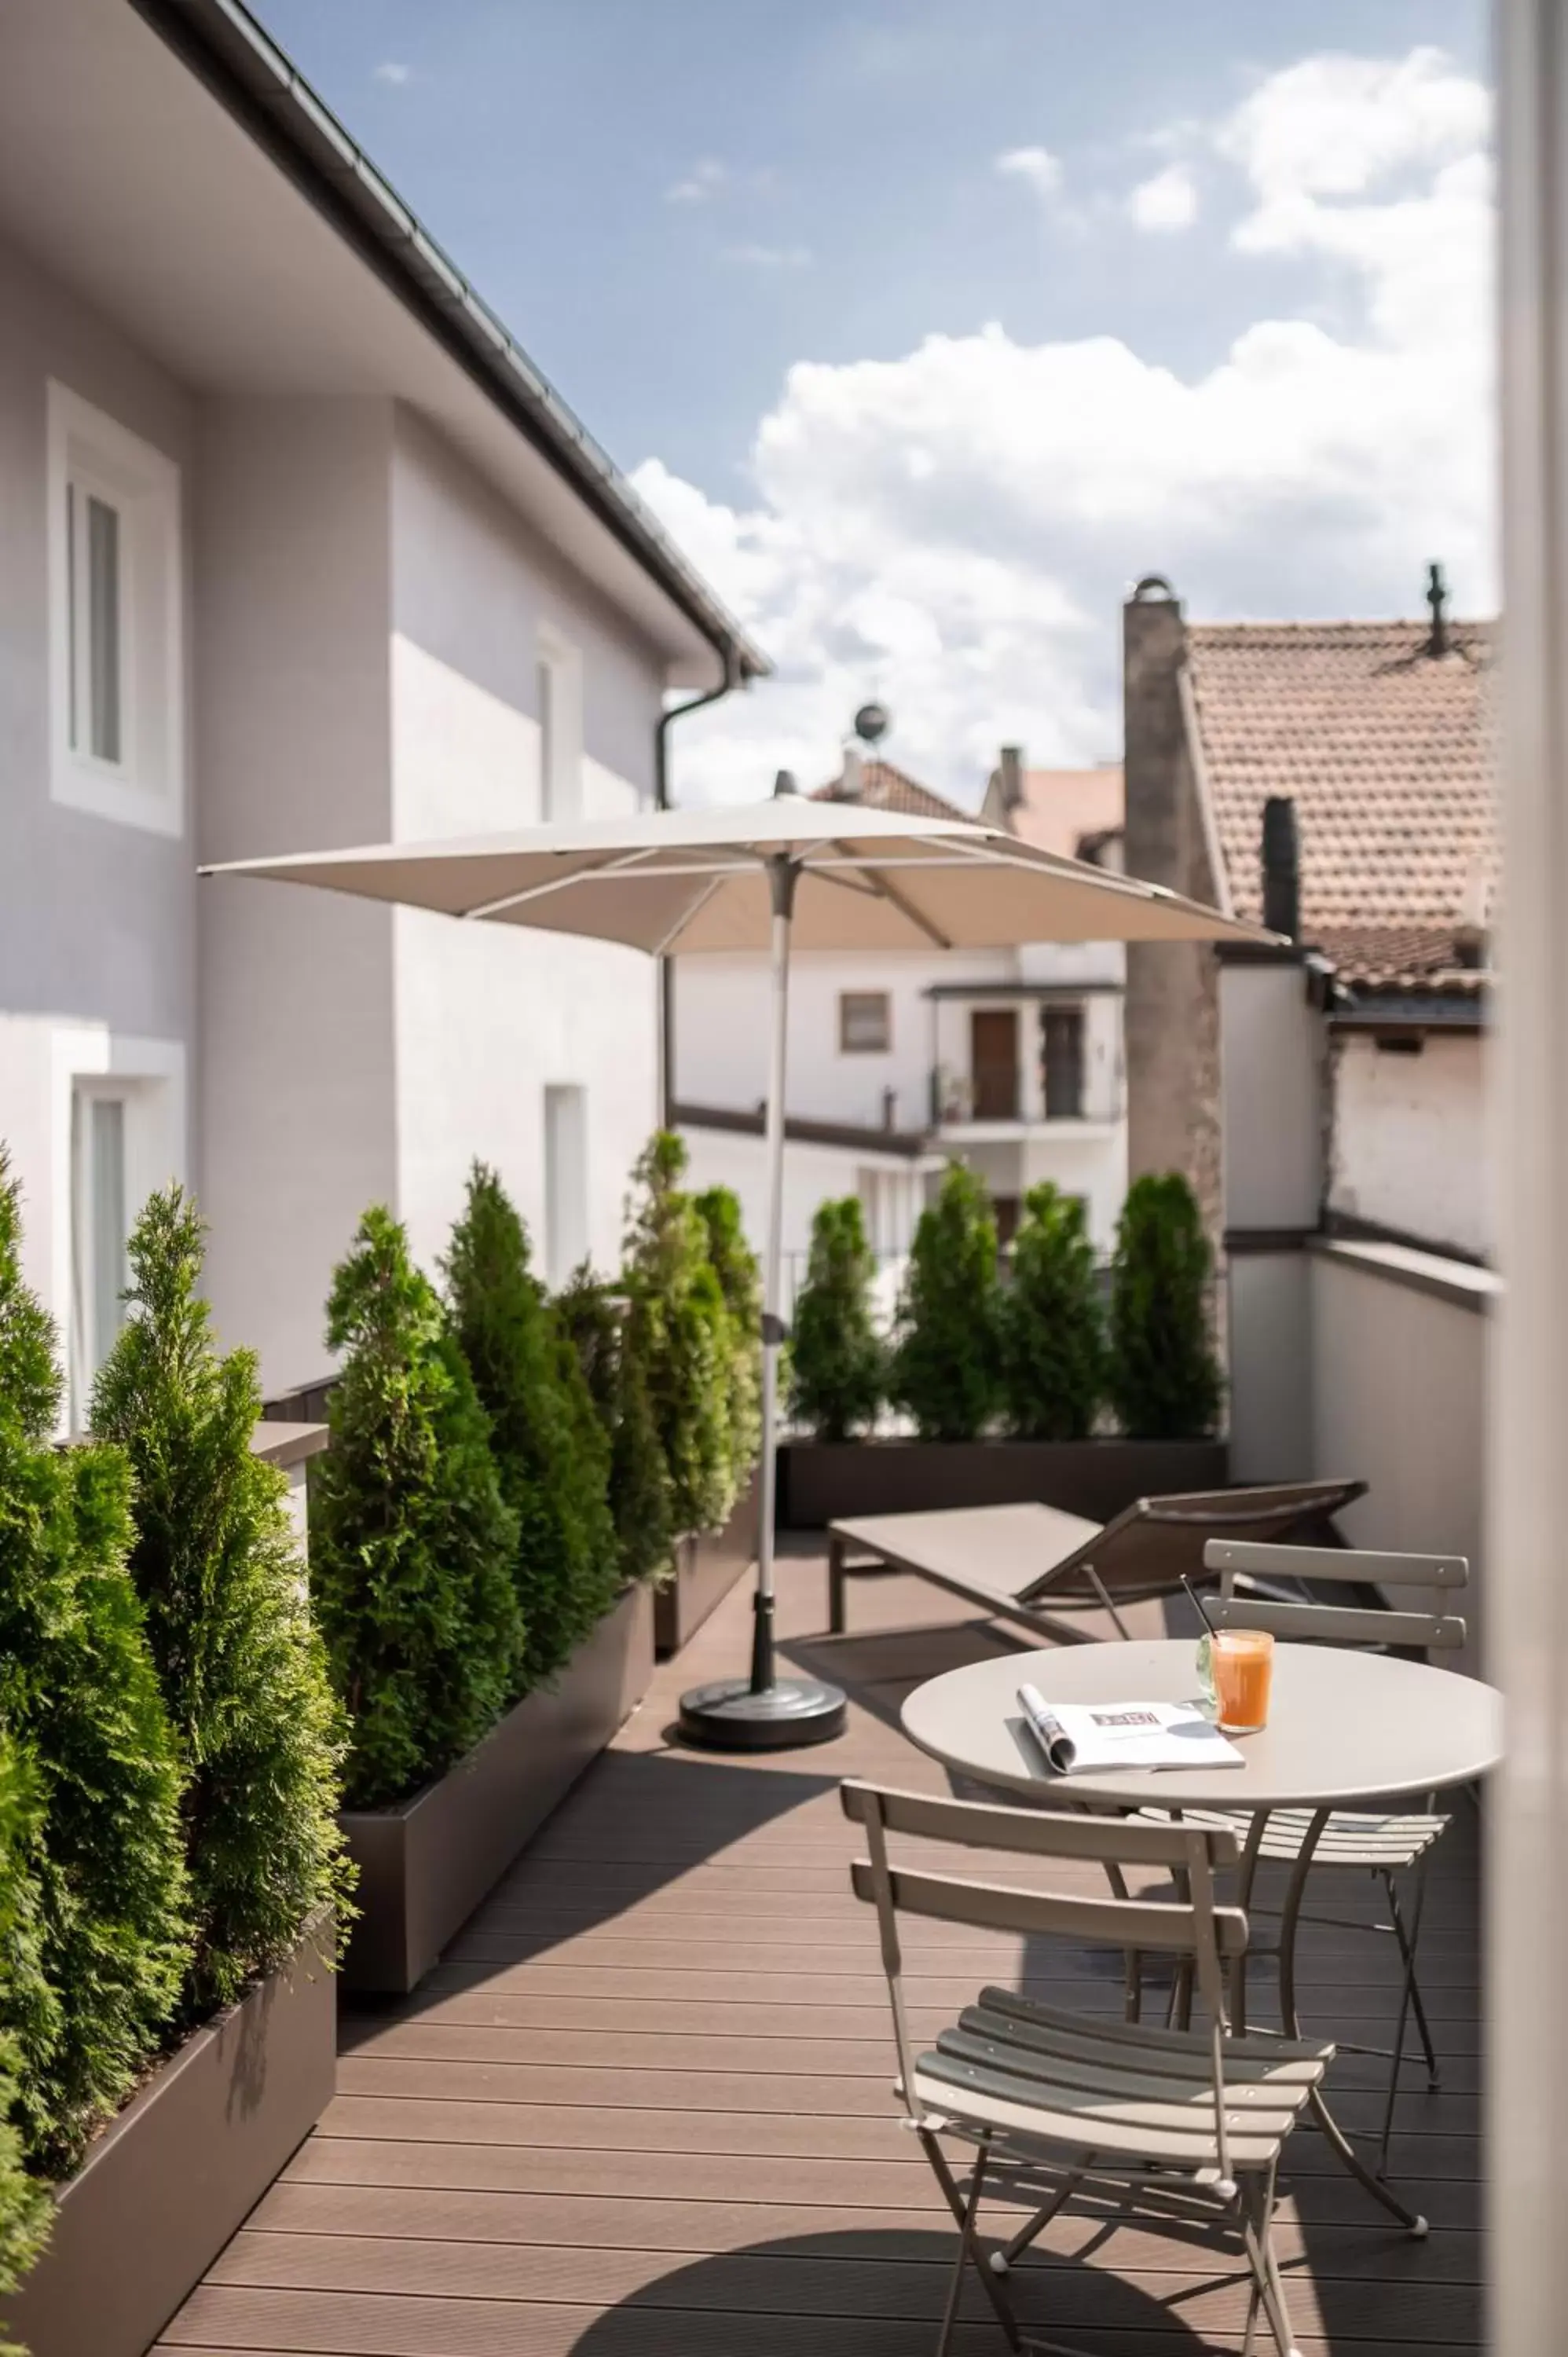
pixel 676 208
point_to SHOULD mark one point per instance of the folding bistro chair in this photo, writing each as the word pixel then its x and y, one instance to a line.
pixel 1052 2107
pixel 1030 1564
pixel 1382 1843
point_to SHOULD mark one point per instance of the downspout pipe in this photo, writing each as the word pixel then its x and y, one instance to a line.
pixel 735 677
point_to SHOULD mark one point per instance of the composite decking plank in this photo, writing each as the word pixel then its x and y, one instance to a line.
pixel 643 2107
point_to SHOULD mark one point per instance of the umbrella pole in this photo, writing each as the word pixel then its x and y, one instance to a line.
pixel 763 1712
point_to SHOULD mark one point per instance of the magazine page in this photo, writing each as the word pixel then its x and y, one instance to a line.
pixel 1078 1739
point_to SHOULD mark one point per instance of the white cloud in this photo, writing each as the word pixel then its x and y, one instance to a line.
pixel 1036 166
pixel 392 70
pixel 704 179
pixel 954 529
pixel 770 257
pixel 1165 203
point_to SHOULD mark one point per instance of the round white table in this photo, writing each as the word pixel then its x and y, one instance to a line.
pixel 1345 1728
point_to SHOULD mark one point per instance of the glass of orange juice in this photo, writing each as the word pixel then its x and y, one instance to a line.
pixel 1243 1670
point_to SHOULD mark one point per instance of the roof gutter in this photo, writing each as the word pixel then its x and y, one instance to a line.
pixel 223 45
pixel 733 677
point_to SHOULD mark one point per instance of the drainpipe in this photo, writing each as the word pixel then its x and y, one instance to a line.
pixel 733 677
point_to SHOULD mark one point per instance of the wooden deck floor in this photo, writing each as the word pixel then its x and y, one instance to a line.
pixel 643 2106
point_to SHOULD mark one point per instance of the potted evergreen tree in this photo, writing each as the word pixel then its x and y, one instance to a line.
pixel 945 1364
pixel 593 1320
pixel 415 1556
pixel 678 1332
pixel 242 1668
pixel 552 1456
pixel 1165 1378
pixel 412 1545
pixel 1050 1325
pixel 838 1361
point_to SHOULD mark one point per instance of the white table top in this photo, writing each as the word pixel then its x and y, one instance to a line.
pixel 1343 1725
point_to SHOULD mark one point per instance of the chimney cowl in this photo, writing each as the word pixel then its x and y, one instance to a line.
pixel 1012 775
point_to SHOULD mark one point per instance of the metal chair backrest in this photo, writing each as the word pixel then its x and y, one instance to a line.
pixel 1146 1548
pixel 1192 1925
pixel 1390 1626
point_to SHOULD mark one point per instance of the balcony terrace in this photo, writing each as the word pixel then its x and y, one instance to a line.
pixel 643 2106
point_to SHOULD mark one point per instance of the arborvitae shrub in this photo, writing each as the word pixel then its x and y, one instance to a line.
pixel 26 2209
pixel 596 1323
pixel 1166 1382
pixel 552 1454
pixel 412 1545
pixel 1051 1327
pixel 838 1360
pixel 216 1568
pixel 740 1281
pixel 677 1331
pixel 945 1364
pixel 97 1972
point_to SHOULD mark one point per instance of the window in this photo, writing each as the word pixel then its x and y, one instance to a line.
pixel 100 1226
pixel 559 691
pixel 115 620
pixel 1061 1055
pixel 565 1181
pixel 866 1022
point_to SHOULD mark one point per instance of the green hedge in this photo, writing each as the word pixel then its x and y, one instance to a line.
pixel 945 1365
pixel 1050 1326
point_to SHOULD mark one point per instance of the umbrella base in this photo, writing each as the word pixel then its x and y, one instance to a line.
pixel 781 1716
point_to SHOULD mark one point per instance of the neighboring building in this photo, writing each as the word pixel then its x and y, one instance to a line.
pixel 1372 741
pixel 299 551
pixel 1008 1059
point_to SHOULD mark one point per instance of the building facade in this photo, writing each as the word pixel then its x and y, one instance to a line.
pixel 300 552
pixel 1009 1061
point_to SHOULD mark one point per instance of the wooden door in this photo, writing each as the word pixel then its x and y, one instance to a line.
pixel 994 1062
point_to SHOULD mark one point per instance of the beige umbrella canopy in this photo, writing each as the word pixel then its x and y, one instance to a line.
pixel 788 872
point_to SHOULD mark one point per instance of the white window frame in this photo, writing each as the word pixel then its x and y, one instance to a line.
pixel 559 673
pixel 566 1236
pixel 148 1077
pixel 98 457
pixel 847 1046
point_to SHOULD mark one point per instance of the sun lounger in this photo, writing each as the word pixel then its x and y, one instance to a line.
pixel 1028 1564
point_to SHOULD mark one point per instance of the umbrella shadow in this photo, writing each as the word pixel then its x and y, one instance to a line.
pixel 877 2292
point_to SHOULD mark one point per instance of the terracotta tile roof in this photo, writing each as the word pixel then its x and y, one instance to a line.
pixel 886 787
pixel 1388 754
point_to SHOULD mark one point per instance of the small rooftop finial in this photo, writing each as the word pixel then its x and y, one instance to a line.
pixel 1437 599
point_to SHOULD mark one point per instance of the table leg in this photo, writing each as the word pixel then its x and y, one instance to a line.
pixel 1245 1873
pixel 1290 1920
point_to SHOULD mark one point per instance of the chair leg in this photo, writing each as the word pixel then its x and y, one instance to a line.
pixel 1258 2234
pixel 964 2213
pixel 1409 2000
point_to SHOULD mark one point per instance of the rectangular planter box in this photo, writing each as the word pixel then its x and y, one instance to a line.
pixel 822 1481
pixel 425 1865
pixel 178 2171
pixel 706 1567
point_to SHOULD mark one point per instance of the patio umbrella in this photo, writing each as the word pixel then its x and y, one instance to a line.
pixel 764 875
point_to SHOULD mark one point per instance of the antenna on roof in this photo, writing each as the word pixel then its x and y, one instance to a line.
pixel 872 723
pixel 1437 599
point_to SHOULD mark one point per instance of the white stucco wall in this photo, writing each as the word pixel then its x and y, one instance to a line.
pixel 293 739
pixel 892 1192
pixel 1273 1056
pixel 1408 1142
pixel 97 918
pixel 491 1016
pixel 721 1026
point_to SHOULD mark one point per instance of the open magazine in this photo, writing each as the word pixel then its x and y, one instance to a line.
pixel 1079 1737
